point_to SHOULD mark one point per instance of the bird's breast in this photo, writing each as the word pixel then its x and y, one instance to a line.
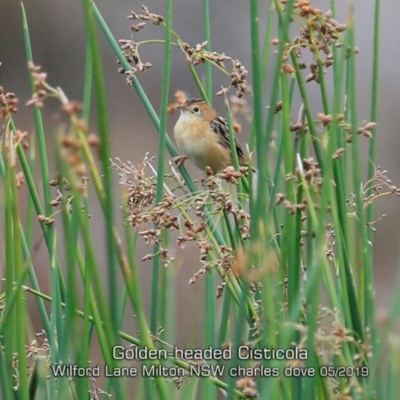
pixel 201 145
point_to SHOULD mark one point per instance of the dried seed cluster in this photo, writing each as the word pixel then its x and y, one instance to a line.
pixel 194 55
pixel 64 193
pixel 187 215
pixel 319 34
pixel 248 387
pixel 365 130
pixel 130 48
pixel 10 137
pixel 155 19
pixel 310 171
pixel 376 187
pixel 46 220
pixel 8 102
pixel 41 88
pixel 21 138
pixel 198 54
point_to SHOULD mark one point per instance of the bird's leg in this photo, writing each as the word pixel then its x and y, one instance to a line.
pixel 179 160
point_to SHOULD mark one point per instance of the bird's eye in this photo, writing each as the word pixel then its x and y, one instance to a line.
pixel 196 109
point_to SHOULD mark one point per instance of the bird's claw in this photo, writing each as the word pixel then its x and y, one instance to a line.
pixel 179 160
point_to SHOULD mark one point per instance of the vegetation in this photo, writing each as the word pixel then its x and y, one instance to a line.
pixel 285 253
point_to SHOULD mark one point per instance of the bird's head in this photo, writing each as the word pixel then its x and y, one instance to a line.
pixel 197 108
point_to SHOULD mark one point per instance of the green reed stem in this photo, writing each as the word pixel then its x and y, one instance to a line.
pixel 155 286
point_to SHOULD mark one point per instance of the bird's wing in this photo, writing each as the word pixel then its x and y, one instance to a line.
pixel 220 126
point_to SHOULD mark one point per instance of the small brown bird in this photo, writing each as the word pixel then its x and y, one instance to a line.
pixel 203 136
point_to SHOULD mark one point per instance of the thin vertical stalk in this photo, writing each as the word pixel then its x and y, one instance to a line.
pixel 57 284
pixel 71 227
pixel 40 133
pixel 83 384
pixel 374 98
pixel 5 377
pixel 238 337
pixel 291 232
pixel 155 289
pixel 369 300
pixel 207 37
pixel 105 160
pixel 49 231
pixel 10 330
pixel 346 286
pixel 261 142
pixel 365 249
pixel 27 257
pixel 108 204
pixel 209 390
pixel 30 208
pixel 87 90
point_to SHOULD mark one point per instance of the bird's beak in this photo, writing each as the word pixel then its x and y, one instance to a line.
pixel 180 108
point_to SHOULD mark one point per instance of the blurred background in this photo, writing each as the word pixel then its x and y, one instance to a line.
pixel 58 35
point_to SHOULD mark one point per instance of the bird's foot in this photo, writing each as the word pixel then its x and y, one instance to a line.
pixel 179 160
